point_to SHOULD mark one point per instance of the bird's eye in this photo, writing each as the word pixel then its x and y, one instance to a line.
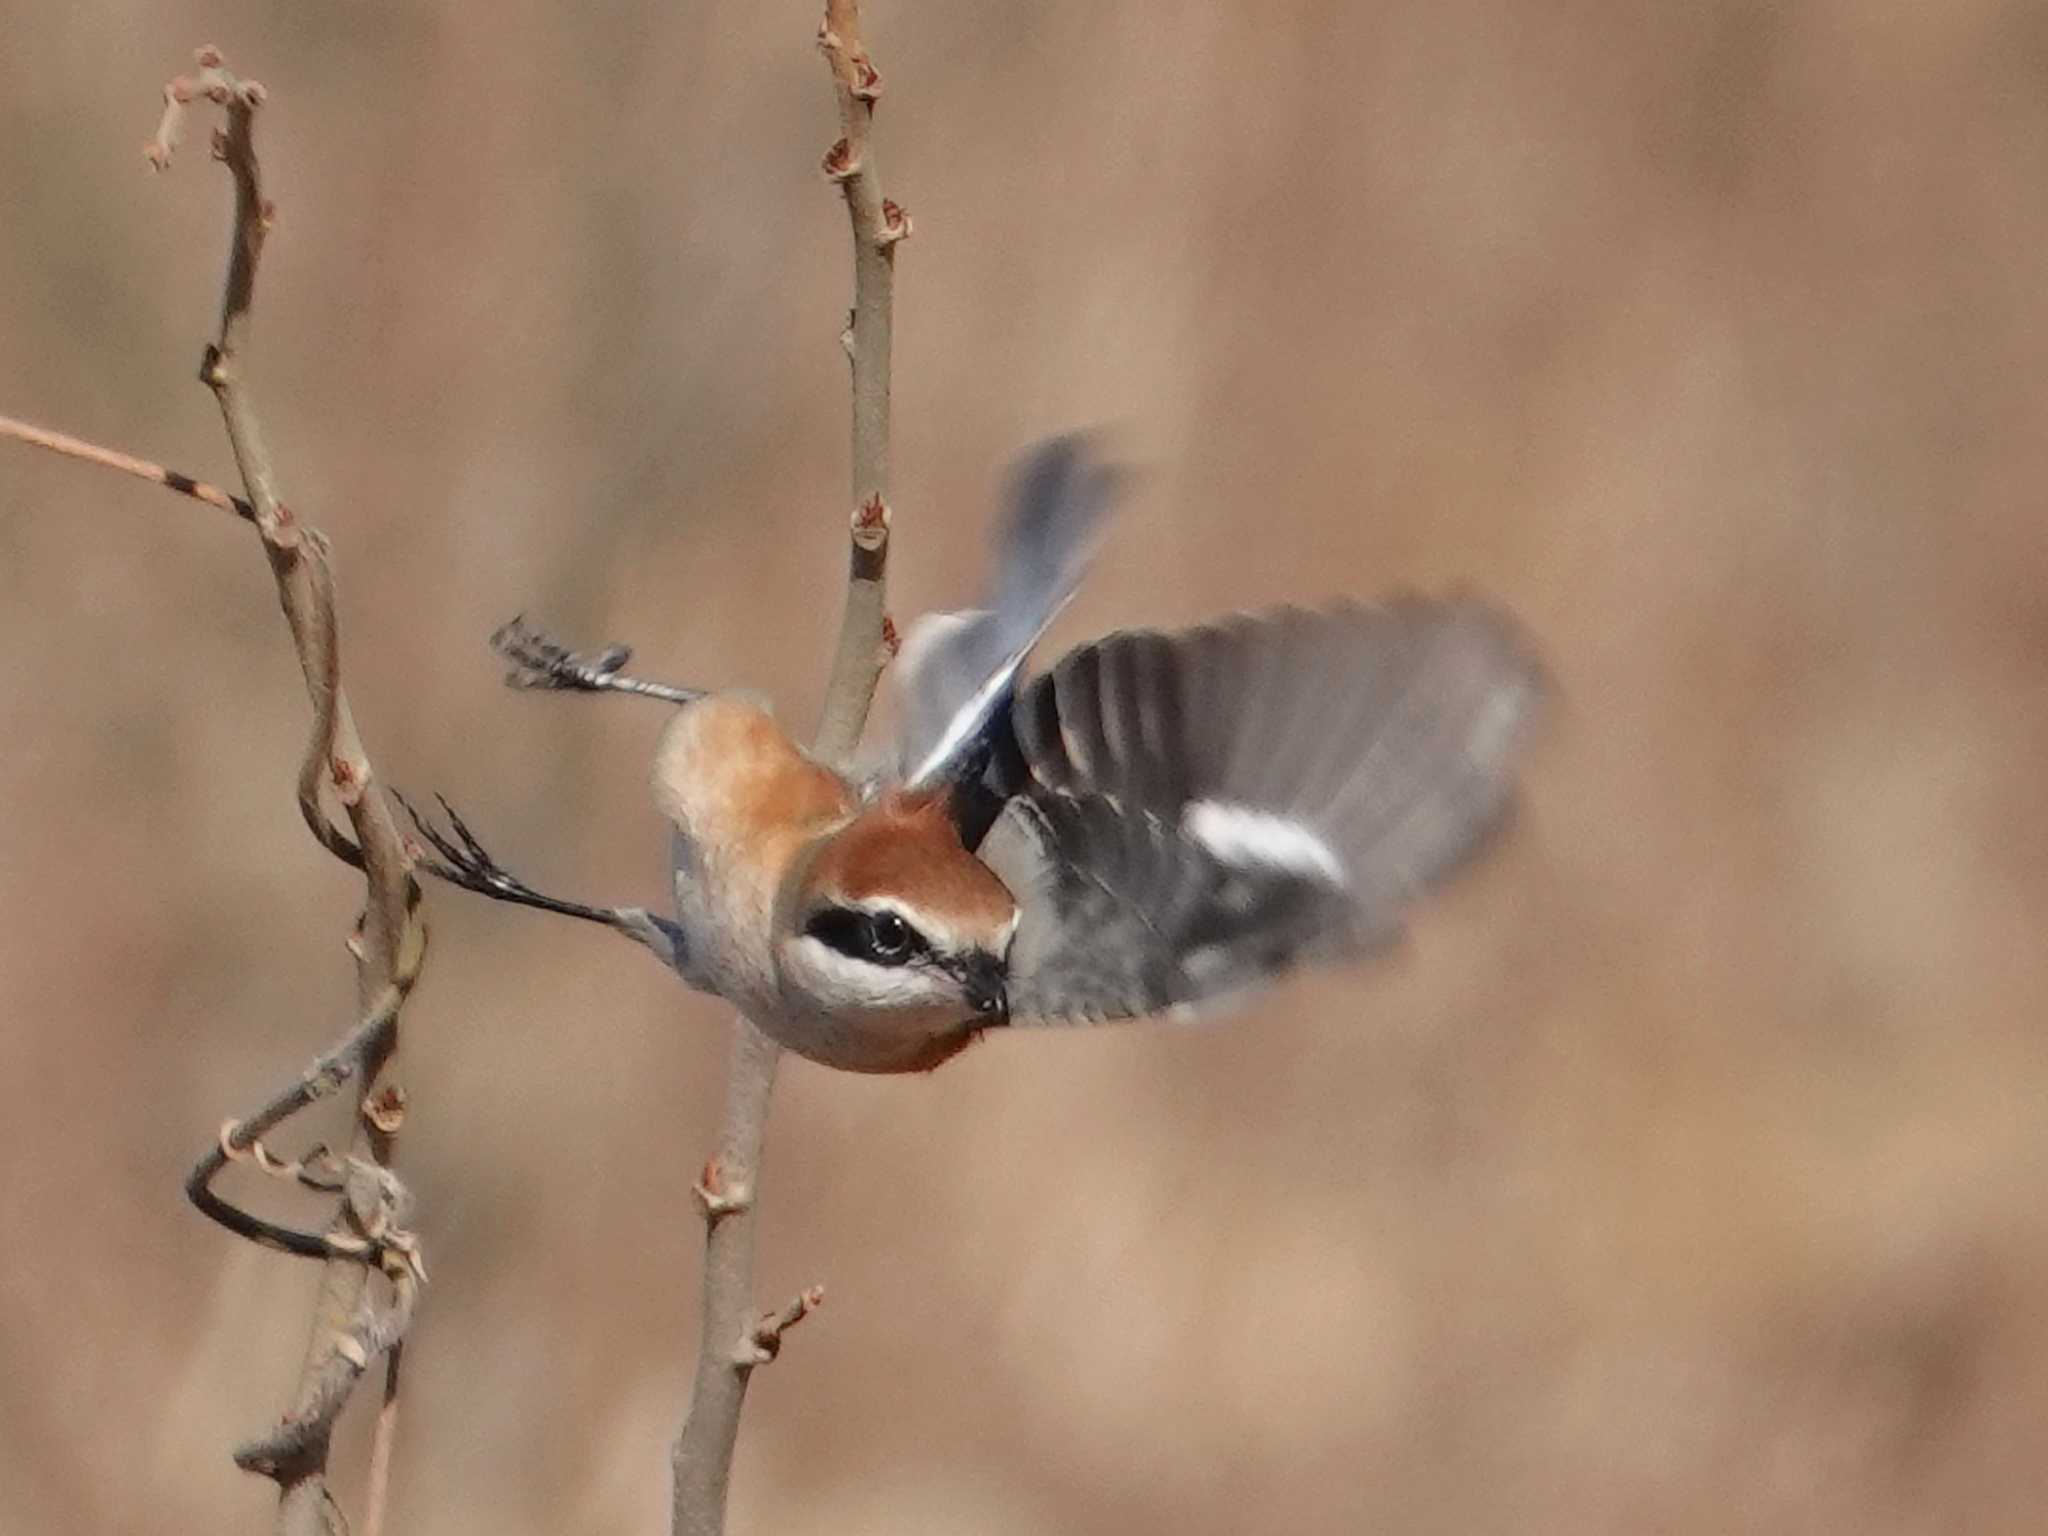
pixel 889 936
pixel 880 938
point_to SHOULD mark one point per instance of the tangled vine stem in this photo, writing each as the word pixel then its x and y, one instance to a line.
pixel 367 1236
pixel 735 1337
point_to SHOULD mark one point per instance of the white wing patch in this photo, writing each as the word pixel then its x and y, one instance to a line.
pixel 1240 835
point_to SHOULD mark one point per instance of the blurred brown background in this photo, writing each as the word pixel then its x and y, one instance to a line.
pixel 1684 1173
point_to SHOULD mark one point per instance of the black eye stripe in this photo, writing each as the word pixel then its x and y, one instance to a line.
pixel 840 927
pixel 880 938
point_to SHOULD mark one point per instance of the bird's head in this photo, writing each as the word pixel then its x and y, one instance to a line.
pixel 896 933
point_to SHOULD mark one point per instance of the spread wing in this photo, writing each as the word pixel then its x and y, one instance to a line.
pixel 1187 815
pixel 957 670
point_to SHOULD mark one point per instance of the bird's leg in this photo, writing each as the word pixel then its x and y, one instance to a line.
pixel 465 862
pixel 541 661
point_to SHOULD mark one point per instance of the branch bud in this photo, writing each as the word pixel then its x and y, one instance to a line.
pixel 841 163
pixel 895 224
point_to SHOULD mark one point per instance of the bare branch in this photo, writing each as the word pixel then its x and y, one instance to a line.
pixel 349 1328
pixel 383 1436
pixel 211 81
pixel 291 1453
pixel 878 226
pixel 865 635
pixel 732 1342
pixel 128 464
pixel 389 941
pixel 702 1458
pixel 298 560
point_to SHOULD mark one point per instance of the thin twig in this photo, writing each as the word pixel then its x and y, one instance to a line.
pixel 771 1326
pixel 725 1357
pixel 731 1341
pixel 345 1063
pixel 377 1486
pixel 389 943
pixel 349 1330
pixel 289 1452
pixel 878 226
pixel 109 458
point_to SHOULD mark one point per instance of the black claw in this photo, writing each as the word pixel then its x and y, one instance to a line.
pixel 469 843
pixel 540 661
pixel 419 822
pixel 469 864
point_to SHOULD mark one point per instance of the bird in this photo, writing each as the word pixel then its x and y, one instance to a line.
pixel 1155 825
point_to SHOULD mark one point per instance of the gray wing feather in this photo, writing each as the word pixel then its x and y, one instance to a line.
pixel 1122 915
pixel 957 669
pixel 1203 810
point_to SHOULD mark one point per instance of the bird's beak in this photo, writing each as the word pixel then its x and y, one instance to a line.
pixel 984 980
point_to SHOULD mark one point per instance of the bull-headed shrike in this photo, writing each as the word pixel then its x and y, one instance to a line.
pixel 1159 821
